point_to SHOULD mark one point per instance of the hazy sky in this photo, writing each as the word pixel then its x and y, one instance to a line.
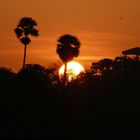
pixel 104 27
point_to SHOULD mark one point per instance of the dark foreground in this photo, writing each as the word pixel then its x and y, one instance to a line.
pixel 35 105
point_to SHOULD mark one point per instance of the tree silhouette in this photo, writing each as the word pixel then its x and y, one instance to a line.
pixel 67 48
pixel 7 85
pixel 35 75
pixel 104 65
pixel 24 29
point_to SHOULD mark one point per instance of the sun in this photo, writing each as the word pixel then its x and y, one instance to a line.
pixel 73 70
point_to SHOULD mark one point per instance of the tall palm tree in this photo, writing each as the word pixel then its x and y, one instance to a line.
pixel 67 48
pixel 24 29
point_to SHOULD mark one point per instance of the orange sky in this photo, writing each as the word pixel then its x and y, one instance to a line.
pixel 96 23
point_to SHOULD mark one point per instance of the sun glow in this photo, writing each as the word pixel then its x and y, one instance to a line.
pixel 73 70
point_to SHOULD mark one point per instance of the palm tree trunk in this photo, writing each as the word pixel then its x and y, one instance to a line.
pixel 24 59
pixel 65 72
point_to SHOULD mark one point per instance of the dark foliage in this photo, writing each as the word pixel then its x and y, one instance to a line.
pixel 26 27
pixel 68 47
pixel 34 103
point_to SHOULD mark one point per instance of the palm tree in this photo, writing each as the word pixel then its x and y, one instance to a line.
pixel 67 48
pixel 24 29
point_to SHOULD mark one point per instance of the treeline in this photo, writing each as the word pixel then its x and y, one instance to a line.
pixel 36 103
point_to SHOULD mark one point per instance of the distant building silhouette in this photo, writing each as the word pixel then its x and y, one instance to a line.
pixel 133 51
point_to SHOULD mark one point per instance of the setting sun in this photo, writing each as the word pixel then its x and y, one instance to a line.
pixel 73 70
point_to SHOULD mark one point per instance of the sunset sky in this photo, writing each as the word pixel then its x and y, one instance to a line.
pixel 104 28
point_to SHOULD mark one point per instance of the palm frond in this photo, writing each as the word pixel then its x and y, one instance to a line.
pixel 26 27
pixel 18 32
pixel 68 47
pixel 34 32
pixel 25 40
